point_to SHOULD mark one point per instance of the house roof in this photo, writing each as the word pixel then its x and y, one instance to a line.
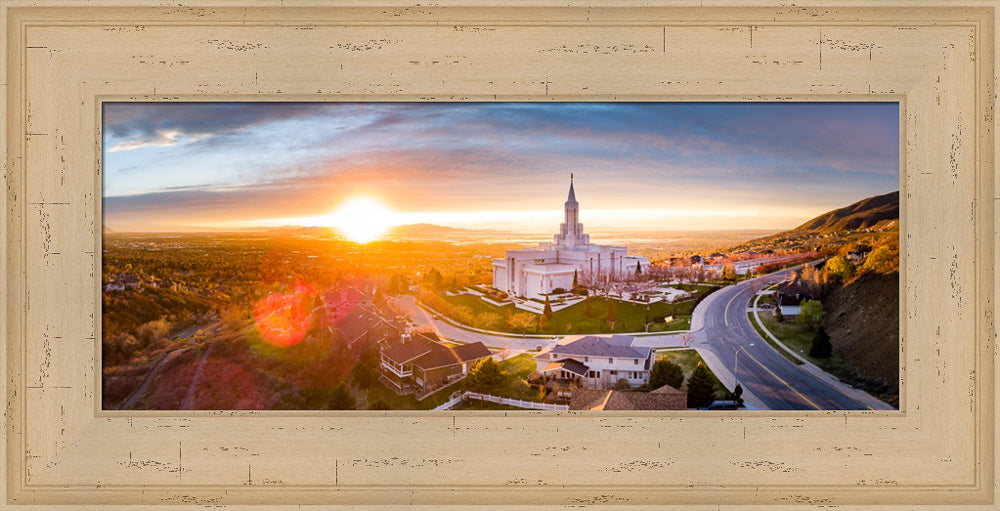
pixel 443 356
pixel 568 364
pixel 619 346
pixel 791 292
pixel 663 398
pixel 402 352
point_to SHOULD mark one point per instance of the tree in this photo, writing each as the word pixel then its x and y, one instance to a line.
pixel 840 268
pixel 576 283
pixel 665 372
pixel 379 404
pixel 365 371
pixel 612 313
pixel 778 316
pixel 486 376
pixel 543 322
pixel 738 394
pixel 810 314
pixel 729 272
pixel 821 347
pixel 487 320
pixel 700 387
pixel 341 399
pixel 588 308
pixel 521 321
pixel 638 268
pixel 881 260
pixel 463 313
pixel 547 311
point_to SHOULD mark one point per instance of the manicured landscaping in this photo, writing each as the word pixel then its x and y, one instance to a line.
pixel 517 369
pixel 631 317
pixel 688 360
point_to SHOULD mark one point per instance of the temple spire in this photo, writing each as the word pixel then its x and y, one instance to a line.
pixel 572 194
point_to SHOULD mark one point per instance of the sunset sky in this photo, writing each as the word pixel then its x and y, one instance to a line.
pixel 637 166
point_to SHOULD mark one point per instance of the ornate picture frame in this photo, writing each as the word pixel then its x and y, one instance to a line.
pixel 64 58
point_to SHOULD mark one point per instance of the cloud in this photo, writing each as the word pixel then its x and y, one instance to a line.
pixel 162 138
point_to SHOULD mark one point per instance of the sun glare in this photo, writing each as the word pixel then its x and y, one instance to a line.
pixel 363 219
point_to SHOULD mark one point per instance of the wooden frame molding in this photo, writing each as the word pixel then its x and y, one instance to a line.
pixel 63 58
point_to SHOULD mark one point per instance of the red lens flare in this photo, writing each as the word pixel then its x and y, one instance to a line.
pixel 283 318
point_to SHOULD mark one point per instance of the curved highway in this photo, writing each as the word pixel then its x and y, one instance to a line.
pixel 721 326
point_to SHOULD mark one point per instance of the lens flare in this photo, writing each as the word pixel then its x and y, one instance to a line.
pixel 363 219
pixel 283 318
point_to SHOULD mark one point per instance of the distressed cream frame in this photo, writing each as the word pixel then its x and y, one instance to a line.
pixel 62 58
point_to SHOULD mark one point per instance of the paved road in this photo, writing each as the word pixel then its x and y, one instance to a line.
pixel 741 355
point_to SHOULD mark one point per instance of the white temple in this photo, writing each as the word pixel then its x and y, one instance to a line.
pixel 531 273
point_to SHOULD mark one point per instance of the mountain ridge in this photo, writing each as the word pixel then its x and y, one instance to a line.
pixel 863 214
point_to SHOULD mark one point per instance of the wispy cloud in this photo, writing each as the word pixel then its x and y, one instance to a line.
pixel 233 159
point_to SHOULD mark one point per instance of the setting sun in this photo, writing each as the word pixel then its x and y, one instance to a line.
pixel 363 219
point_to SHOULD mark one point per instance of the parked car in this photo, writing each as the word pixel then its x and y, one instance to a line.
pixel 723 405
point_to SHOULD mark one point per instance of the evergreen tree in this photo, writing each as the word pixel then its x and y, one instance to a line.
pixel 543 323
pixel 778 316
pixel 547 312
pixel 821 347
pixel 588 309
pixel 612 313
pixel 665 372
pixel 576 283
pixel 486 376
pixel 700 387
pixel 341 399
pixel 638 268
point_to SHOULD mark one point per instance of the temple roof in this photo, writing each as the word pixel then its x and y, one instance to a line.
pixel 572 194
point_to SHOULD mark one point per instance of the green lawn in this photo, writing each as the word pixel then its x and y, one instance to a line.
pixel 573 320
pixel 378 391
pixel 799 338
pixel 778 332
pixel 516 386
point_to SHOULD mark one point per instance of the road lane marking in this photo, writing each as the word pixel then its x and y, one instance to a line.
pixel 725 312
pixel 779 379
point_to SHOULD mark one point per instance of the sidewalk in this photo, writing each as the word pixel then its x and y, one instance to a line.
pixel 857 394
pixel 725 375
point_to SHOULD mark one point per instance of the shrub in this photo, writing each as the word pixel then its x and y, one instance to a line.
pixel 821 347
pixel 665 372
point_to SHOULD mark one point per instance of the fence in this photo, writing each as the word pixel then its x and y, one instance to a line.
pixel 533 405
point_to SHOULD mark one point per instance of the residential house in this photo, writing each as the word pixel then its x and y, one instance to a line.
pixel 595 362
pixel 857 257
pixel 789 294
pixel 663 398
pixel 420 362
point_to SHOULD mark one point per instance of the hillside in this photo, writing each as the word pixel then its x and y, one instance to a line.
pixel 870 221
pixel 862 319
pixel 864 214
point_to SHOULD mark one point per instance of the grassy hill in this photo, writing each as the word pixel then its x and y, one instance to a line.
pixel 864 214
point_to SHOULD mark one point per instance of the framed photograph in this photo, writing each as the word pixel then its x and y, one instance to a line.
pixel 519 254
